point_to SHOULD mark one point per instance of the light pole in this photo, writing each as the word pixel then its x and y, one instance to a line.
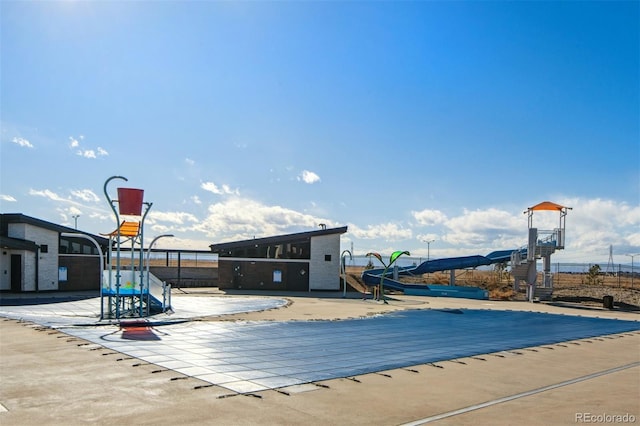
pixel 148 259
pixel 428 246
pixel 632 256
pixel 75 218
pixel 428 255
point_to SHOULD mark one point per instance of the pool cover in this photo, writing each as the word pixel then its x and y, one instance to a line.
pixel 253 356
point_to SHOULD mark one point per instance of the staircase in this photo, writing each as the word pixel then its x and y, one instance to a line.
pixel 519 266
pixel 543 293
pixel 520 271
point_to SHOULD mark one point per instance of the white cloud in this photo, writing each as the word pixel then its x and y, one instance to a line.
pixel 227 190
pixel 74 210
pixel 633 240
pixel 211 187
pixel 189 161
pixel 178 218
pixel 196 199
pixel 46 194
pixel 591 227
pixel 427 237
pixel 224 190
pixel 241 218
pixel 484 229
pixel 87 153
pixel 22 142
pixel 484 220
pixel 74 144
pixel 385 231
pixel 85 195
pixel 67 215
pixel 309 177
pixel 9 198
pixel 595 224
pixel 429 217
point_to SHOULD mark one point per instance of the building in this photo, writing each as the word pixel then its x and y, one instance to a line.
pixel 303 261
pixel 42 256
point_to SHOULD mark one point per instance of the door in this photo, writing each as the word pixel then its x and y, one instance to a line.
pixel 237 276
pixel 298 277
pixel 16 272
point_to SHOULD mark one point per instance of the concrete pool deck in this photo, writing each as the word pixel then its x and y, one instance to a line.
pixel 52 377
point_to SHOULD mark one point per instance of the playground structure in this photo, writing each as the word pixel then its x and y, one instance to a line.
pixel 541 244
pixel 134 292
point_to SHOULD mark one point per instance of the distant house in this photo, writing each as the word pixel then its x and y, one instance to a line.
pixel 303 261
pixel 37 256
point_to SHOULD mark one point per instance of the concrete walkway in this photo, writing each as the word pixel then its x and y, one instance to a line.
pixel 68 376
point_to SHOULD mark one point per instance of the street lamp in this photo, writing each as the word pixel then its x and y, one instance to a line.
pixel 75 218
pixel 632 256
pixel 428 253
pixel 428 246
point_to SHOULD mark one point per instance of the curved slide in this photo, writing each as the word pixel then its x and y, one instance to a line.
pixel 372 277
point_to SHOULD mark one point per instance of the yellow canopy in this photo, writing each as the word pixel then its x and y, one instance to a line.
pixel 127 229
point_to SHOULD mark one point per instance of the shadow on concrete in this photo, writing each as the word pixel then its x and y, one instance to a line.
pixel 44 297
pixel 590 304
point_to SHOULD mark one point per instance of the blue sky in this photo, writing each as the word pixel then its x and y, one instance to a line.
pixel 405 121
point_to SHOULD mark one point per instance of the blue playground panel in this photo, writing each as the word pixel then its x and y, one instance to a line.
pixel 124 292
pixel 254 356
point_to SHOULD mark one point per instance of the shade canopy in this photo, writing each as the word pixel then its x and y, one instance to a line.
pixel 548 205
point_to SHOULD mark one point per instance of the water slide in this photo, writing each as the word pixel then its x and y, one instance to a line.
pixel 372 277
pixel 155 293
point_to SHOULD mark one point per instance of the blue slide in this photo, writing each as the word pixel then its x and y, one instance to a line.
pixel 372 277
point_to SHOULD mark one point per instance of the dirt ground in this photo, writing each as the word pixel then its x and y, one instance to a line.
pixel 574 288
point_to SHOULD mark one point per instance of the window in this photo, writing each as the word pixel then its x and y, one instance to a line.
pixel 70 245
pixel 298 249
pixel 44 248
pixel 327 258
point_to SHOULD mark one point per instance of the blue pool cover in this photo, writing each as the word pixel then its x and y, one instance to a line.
pixel 254 356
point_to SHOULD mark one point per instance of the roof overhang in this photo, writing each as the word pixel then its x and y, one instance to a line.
pixel 19 218
pixel 17 244
pixel 279 239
